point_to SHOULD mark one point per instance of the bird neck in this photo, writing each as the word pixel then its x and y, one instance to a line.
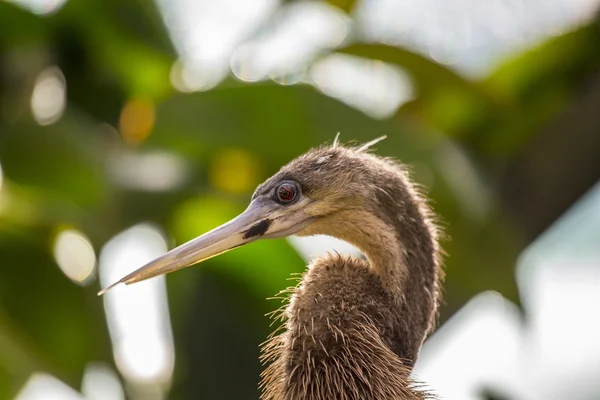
pixel 378 242
pixel 400 242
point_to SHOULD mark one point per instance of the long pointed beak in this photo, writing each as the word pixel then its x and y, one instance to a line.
pixel 262 218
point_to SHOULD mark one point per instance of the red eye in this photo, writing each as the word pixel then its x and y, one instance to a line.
pixel 286 192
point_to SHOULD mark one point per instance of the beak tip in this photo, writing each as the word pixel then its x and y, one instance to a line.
pixel 103 291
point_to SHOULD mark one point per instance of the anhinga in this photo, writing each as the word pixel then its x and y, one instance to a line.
pixel 353 327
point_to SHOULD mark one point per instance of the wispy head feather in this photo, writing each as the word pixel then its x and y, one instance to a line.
pixel 336 140
pixel 367 145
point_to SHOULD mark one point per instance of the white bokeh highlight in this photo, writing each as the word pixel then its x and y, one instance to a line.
pixel 49 97
pixel 559 278
pixel 476 349
pixel 42 386
pixel 41 7
pixel 206 33
pixel 470 36
pixel 138 315
pixel 75 255
pixel 100 382
pixel 155 171
pixel 299 32
pixel 376 88
pixel 550 353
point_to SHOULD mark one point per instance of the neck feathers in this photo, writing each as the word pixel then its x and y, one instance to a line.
pixel 337 341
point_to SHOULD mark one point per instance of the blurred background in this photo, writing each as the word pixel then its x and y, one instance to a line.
pixel 130 126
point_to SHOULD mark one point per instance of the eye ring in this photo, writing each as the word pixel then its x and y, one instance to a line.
pixel 286 193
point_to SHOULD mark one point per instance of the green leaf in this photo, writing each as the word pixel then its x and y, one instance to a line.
pixel 19 27
pixel 63 160
pixel 274 122
pixel 57 325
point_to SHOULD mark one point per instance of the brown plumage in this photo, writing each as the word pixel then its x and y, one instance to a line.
pixel 353 327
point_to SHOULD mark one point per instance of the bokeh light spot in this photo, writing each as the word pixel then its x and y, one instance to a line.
pixel 100 382
pixel 301 30
pixel 234 170
pixel 154 171
pixel 192 76
pixel 138 315
pixel 291 78
pixel 49 97
pixel 132 354
pixel 244 67
pixel 137 120
pixel 41 7
pixel 376 88
pixel 74 255
pixel 42 386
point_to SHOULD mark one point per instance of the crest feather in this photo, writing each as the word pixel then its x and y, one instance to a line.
pixel 367 145
pixel 336 142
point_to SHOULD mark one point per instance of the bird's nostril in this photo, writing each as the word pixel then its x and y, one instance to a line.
pixel 258 229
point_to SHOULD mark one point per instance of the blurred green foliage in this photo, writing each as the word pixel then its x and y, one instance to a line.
pixel 114 51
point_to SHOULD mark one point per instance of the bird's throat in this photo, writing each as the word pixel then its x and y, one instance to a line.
pixel 377 240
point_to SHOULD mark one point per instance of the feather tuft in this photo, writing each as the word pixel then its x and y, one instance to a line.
pixel 367 145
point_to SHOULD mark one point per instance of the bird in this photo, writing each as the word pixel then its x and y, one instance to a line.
pixel 352 328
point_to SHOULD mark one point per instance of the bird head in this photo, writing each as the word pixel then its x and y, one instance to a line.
pixel 307 196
